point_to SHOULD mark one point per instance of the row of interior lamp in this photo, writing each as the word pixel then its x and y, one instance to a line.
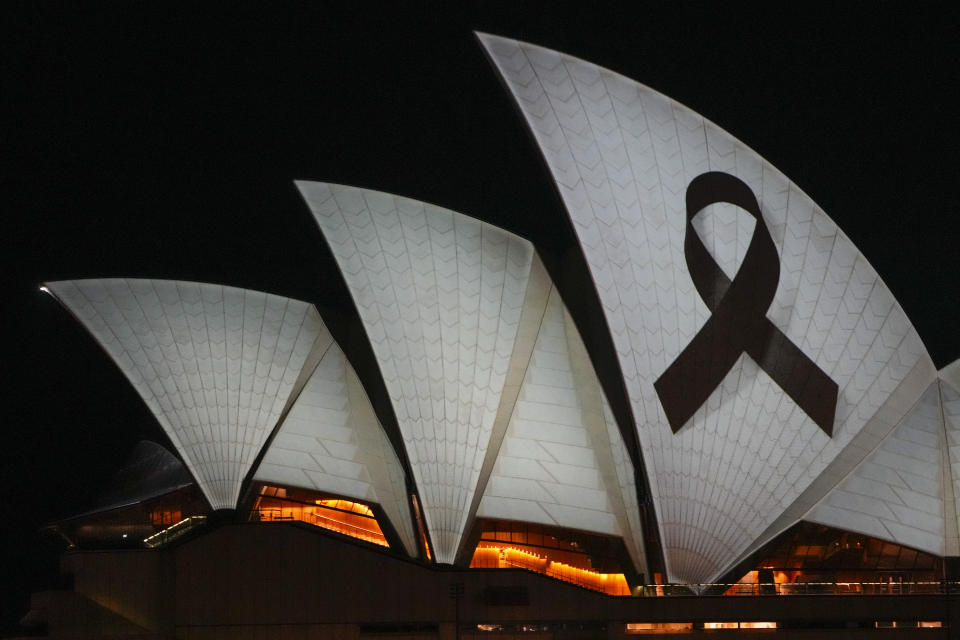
pixel 357 521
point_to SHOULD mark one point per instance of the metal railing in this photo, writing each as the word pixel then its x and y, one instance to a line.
pixel 802 588
pixel 174 531
pixel 278 514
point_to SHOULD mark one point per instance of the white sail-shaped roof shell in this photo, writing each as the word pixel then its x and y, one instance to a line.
pixel 750 461
pixel 331 441
pixel 898 491
pixel 562 461
pixel 950 405
pixel 440 296
pixel 215 365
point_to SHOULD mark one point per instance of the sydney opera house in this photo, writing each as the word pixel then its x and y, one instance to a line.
pixel 770 450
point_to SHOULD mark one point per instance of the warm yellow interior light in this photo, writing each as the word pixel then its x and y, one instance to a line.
pixel 349 518
pixel 494 556
pixel 659 627
pixel 346 505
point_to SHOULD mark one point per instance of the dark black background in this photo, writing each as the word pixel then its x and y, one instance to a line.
pixel 160 140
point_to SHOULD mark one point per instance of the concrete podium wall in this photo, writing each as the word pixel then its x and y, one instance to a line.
pixel 286 580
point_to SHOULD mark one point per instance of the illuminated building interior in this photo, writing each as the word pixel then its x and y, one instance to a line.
pixel 587 560
pixel 421 529
pixel 127 525
pixel 150 493
pixel 658 628
pixel 353 519
pixel 810 557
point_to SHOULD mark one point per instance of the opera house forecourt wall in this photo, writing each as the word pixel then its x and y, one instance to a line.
pixel 771 379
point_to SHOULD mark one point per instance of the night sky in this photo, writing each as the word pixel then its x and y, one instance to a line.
pixel 143 140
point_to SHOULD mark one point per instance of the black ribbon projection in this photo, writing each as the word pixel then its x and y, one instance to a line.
pixel 738 322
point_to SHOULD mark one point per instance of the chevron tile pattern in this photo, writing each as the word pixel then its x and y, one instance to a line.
pixel 622 156
pixel 950 399
pixel 868 438
pixel 950 374
pixel 214 364
pixel 897 492
pixel 331 441
pixel 562 461
pixel 440 296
